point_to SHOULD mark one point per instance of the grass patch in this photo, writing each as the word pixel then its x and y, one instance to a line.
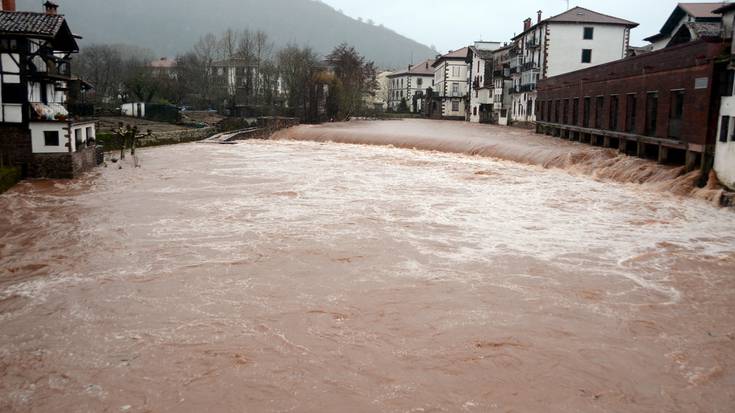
pixel 8 178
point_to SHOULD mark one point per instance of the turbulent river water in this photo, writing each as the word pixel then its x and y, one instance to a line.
pixel 314 276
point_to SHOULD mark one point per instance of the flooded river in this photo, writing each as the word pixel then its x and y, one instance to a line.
pixel 294 276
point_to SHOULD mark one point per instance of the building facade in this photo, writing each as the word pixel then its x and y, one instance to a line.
pixel 450 95
pixel 37 133
pixel 482 86
pixel 686 20
pixel 724 163
pixel 573 40
pixel 662 105
pixel 408 87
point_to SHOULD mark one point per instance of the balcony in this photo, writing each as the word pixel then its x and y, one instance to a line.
pixel 530 87
pixel 530 66
pixel 533 44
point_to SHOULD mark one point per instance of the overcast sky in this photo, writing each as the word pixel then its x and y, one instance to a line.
pixel 455 23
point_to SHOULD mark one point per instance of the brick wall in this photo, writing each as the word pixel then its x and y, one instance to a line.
pixel 15 148
pixel 664 71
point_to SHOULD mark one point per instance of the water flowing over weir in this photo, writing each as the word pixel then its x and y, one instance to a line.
pixel 511 144
pixel 278 276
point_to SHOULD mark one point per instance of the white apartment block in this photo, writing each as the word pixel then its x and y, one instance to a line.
pixel 482 86
pixel 451 85
pixel 409 87
pixel 576 39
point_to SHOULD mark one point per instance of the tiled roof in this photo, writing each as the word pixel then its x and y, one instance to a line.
pixel 461 53
pixel 702 10
pixel 163 63
pixel 701 30
pixel 424 68
pixel 582 15
pixel 28 23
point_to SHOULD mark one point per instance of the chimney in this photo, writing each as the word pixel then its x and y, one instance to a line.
pixel 539 16
pixel 52 9
pixel 526 24
pixel 8 5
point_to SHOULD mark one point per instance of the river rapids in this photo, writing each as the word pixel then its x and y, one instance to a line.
pixel 299 276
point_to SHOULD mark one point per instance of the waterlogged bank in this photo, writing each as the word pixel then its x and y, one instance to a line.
pixel 302 276
pixel 511 144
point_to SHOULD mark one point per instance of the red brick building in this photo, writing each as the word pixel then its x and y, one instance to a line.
pixel 662 105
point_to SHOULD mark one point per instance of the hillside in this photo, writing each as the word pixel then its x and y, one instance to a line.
pixel 169 27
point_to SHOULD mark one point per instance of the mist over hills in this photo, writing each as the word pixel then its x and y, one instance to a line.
pixel 169 27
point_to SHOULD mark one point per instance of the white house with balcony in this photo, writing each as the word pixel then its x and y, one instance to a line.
pixel 408 87
pixel 37 133
pixel 482 86
pixel 576 39
pixel 449 98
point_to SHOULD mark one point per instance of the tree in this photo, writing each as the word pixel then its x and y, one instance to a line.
pixel 355 79
pixel 298 68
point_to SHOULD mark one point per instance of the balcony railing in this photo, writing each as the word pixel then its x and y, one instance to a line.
pixel 532 44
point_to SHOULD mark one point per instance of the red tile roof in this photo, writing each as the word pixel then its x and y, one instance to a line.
pixel 702 10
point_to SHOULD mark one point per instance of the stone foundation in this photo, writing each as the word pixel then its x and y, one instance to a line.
pixel 63 165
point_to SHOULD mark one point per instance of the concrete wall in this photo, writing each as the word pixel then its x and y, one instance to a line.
pixel 725 151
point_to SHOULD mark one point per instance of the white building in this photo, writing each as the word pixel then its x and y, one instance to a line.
pixel 725 148
pixel 685 18
pixel 482 86
pixel 39 136
pixel 576 39
pixel 379 102
pixel 451 86
pixel 409 86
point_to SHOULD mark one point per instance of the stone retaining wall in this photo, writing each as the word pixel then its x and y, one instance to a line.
pixel 63 165
pixel 179 136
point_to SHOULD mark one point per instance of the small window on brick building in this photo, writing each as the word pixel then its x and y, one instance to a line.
pixel 565 113
pixel 676 114
pixel 586 114
pixel 724 129
pixel 51 138
pixel 575 112
pixel 589 33
pixel 630 113
pixel 614 108
pixel 599 107
pixel 586 55
pixel 651 113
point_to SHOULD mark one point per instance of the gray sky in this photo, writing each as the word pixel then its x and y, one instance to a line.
pixel 451 24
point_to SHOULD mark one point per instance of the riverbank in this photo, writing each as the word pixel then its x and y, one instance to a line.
pixel 8 178
pixel 513 144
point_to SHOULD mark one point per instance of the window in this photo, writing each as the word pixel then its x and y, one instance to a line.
pixel 651 113
pixel 586 55
pixel 51 138
pixel 565 117
pixel 575 112
pixel 455 89
pixel 586 114
pixel 78 140
pixel 630 113
pixel 90 134
pixel 589 33
pixel 599 107
pixel 724 129
pixel 556 111
pixel 676 114
pixel 419 82
pixel 542 111
pixel 614 108
pixel 455 106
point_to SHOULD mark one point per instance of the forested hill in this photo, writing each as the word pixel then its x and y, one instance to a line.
pixel 168 27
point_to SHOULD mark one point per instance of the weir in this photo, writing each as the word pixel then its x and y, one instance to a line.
pixel 523 146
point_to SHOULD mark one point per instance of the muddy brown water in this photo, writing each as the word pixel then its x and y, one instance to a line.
pixel 283 276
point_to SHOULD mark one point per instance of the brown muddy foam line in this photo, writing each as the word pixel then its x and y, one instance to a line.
pixel 514 145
